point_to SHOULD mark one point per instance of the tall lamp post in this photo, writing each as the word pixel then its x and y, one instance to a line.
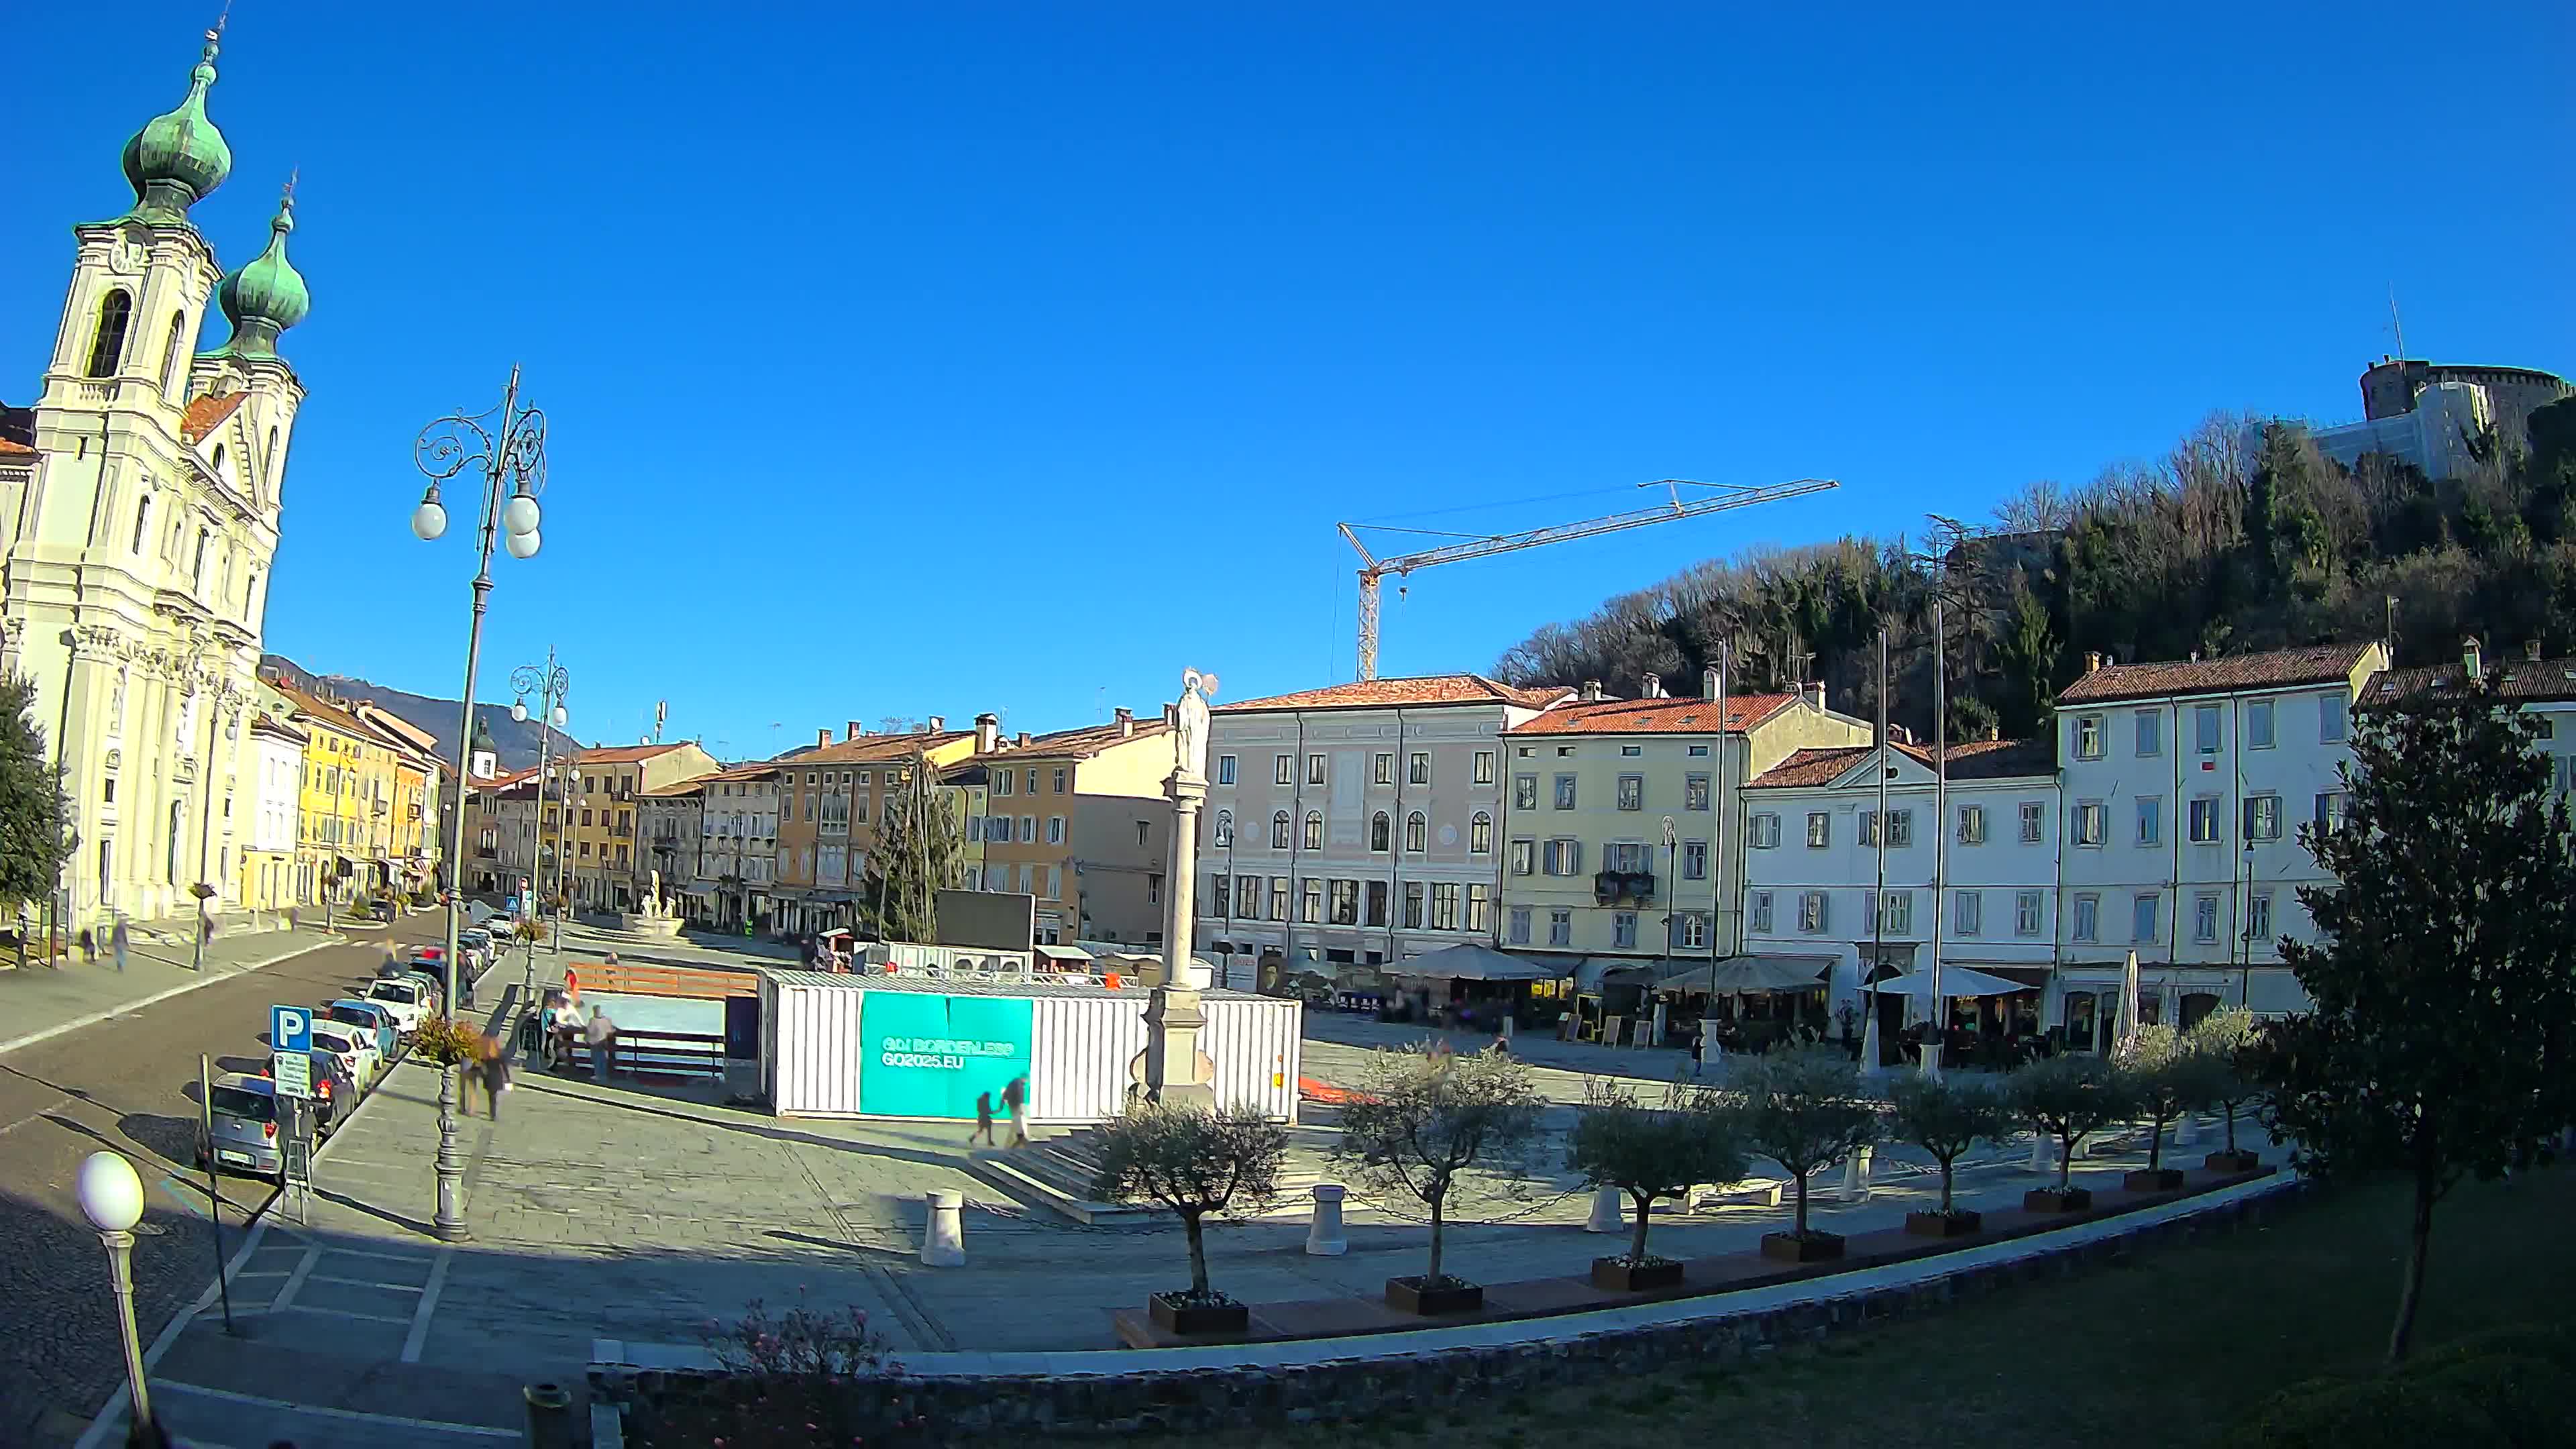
pixel 549 684
pixel 111 1197
pixel 508 444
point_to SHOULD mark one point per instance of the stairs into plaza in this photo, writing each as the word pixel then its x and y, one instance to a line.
pixel 1057 1174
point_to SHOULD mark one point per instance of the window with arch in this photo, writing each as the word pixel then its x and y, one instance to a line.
pixel 1314 830
pixel 1225 827
pixel 1480 834
pixel 250 596
pixel 219 459
pixel 170 864
pixel 142 522
pixel 268 456
pixel 107 344
pixel 170 378
pixel 1381 832
pixel 1279 831
pixel 197 565
pixel 1417 832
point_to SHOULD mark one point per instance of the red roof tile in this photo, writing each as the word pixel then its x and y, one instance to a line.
pixel 1969 760
pixel 620 754
pixel 1811 767
pixel 12 448
pixel 1655 716
pixel 2536 680
pixel 1425 689
pixel 1074 744
pixel 2279 669
pixel 208 413
pixel 868 749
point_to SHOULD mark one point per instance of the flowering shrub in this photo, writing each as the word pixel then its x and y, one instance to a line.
pixel 798 1379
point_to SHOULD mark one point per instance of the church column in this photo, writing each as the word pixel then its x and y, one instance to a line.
pixel 85 749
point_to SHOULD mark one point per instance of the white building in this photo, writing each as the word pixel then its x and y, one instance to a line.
pixel 738 842
pixel 1300 870
pixel 2430 414
pixel 1812 866
pixel 137 546
pixel 276 824
pixel 2184 785
pixel 668 820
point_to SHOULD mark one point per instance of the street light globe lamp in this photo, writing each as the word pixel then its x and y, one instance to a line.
pixel 111 1197
pixel 523 545
pixel 518 711
pixel 429 520
pixel 520 514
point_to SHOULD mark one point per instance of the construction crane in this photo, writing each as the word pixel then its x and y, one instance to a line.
pixel 1472 545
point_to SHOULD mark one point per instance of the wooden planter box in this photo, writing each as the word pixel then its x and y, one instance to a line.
pixel 1197 1319
pixel 1407 1295
pixel 2231 1162
pixel 2152 1179
pixel 2049 1200
pixel 1614 1275
pixel 1815 1247
pixel 1957 1224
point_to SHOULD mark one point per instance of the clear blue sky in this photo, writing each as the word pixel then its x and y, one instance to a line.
pixel 947 357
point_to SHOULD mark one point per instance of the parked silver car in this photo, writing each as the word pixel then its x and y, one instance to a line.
pixel 245 1127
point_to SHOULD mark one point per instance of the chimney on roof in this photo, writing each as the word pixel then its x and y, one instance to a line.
pixel 1172 716
pixel 854 731
pixel 2092 661
pixel 1591 692
pixel 1126 722
pixel 937 724
pixel 1023 741
pixel 988 733
pixel 822 737
pixel 2472 659
pixel 1815 695
pixel 1654 685
pixel 1708 682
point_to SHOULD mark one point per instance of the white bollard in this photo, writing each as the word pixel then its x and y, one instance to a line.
pixel 2186 1129
pixel 1856 1176
pixel 1605 1212
pixel 1324 1231
pixel 943 1242
pixel 2043 1153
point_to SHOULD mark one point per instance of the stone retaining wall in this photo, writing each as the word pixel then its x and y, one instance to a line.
pixel 964 1408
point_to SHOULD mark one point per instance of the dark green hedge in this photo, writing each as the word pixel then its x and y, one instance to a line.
pixel 2512 1387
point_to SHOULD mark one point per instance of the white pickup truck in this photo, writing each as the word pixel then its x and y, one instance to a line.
pixel 403 998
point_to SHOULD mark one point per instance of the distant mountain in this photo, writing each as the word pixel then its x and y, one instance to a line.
pixel 513 742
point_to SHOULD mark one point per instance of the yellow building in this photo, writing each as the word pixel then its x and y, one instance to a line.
pixel 275 762
pixel 345 835
pixel 1078 819
pixel 830 800
pixel 608 871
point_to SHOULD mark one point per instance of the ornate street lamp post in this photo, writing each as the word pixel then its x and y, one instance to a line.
pixel 111 1197
pixel 549 684
pixel 508 444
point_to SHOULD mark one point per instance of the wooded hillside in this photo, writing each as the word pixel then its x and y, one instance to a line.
pixel 2242 538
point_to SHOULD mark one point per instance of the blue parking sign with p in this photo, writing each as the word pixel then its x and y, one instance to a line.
pixel 290 1029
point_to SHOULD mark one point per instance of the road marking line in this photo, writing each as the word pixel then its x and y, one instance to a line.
pixel 295 1280
pixel 368 1283
pixel 342 1313
pixel 439 1426
pixel 428 1305
pixel 388 1257
pixel 212 976
pixel 47 1110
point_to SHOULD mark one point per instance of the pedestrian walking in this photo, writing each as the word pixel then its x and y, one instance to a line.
pixel 118 942
pixel 983 1120
pixel 1699 1047
pixel 88 947
pixel 1014 1097
pixel 602 1033
pixel 496 1074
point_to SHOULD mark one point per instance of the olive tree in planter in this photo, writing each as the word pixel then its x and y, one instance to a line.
pixel 2165 1083
pixel 1804 1110
pixel 2219 1043
pixel 2068 1098
pixel 1190 1162
pixel 1649 1153
pixel 1945 1116
pixel 1415 1127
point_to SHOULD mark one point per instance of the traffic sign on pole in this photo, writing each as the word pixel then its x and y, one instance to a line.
pixel 292 1072
pixel 290 1029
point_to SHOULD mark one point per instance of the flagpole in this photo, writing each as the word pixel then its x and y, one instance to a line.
pixel 1940 827
pixel 1878 902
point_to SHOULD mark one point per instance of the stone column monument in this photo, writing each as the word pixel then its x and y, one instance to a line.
pixel 1175 1071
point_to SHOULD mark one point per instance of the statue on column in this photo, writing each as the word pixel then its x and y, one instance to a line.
pixel 1193 747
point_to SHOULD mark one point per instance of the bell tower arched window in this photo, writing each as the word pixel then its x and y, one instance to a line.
pixel 170 378
pixel 219 460
pixel 142 522
pixel 1379 833
pixel 268 460
pixel 107 344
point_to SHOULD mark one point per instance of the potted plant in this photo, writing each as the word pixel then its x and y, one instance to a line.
pixel 1945 1116
pixel 1192 1161
pixel 2069 1098
pixel 1414 1125
pixel 1803 1109
pixel 2165 1083
pixel 2219 1042
pixel 1648 1153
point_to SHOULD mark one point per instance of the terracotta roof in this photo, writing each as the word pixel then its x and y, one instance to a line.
pixel 676 788
pixel 1655 716
pixel 12 448
pixel 2536 680
pixel 1423 689
pixel 330 714
pixel 868 749
pixel 2281 668
pixel 274 725
pixel 1969 760
pixel 208 413
pixel 620 754
pixel 1074 744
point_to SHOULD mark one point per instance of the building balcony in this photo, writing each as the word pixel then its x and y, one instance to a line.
pixel 1627 885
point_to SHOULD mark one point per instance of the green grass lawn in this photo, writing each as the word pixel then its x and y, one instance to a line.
pixel 2164 1352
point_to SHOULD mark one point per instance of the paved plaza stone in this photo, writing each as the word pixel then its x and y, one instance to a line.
pixel 642 1214
pixel 40 1002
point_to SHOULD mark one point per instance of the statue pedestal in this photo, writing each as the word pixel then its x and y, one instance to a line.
pixel 649 925
pixel 1172 1069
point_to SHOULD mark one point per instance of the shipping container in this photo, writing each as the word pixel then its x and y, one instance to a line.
pixel 925 1050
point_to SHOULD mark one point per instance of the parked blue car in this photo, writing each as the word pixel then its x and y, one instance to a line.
pixel 354 1012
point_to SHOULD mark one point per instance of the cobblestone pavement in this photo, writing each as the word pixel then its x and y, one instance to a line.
pixel 128 1083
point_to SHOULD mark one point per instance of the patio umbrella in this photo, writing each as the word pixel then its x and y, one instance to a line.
pixel 1956 981
pixel 1741 975
pixel 2129 1005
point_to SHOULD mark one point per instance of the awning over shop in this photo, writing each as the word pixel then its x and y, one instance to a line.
pixel 1063 955
pixel 1740 975
pixel 1591 973
pixel 1956 981
pixel 1476 963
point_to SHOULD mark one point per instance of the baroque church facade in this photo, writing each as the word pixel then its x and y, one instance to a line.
pixel 140 525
